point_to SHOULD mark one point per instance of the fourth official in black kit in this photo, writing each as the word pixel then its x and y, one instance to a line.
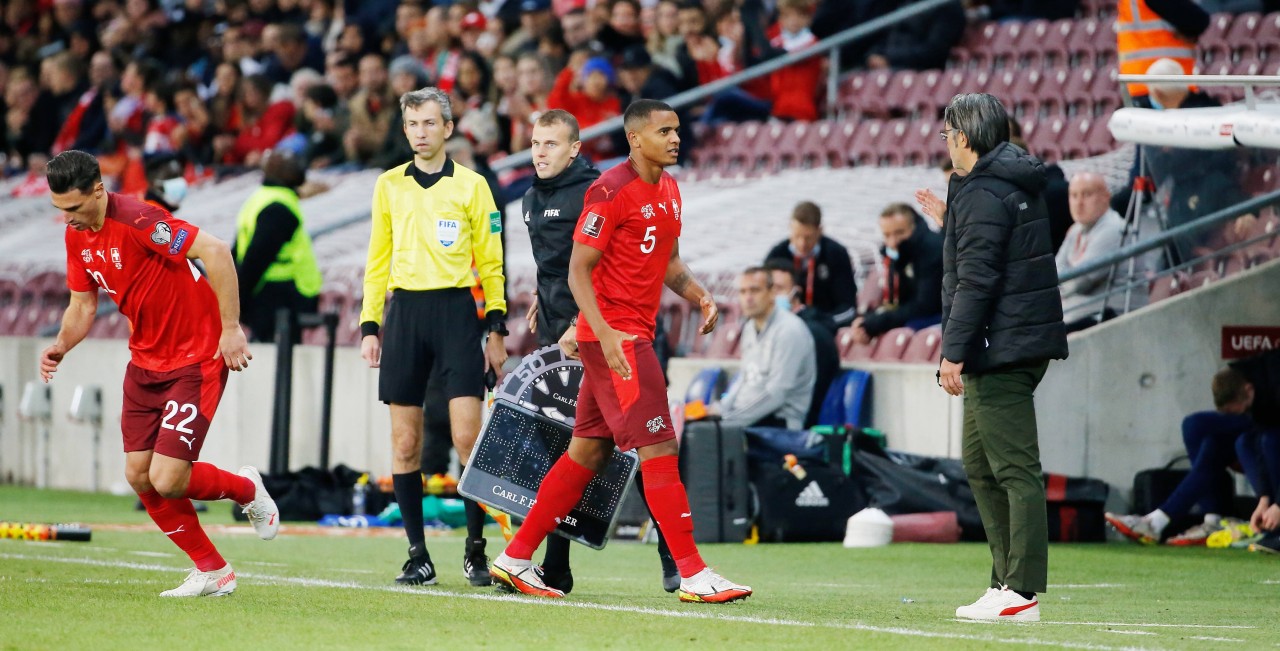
pixel 551 209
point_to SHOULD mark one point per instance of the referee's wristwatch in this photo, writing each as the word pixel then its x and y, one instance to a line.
pixel 496 322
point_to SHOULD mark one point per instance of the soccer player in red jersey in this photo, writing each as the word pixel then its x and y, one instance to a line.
pixel 625 249
pixel 186 335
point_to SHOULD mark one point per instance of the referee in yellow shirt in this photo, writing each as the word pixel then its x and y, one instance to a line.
pixel 431 219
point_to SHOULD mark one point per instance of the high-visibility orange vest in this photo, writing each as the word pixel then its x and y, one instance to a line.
pixel 1143 37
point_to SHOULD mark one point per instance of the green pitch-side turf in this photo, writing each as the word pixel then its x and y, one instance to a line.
pixel 319 592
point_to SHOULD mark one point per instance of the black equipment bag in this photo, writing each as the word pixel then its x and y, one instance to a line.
pixel 713 464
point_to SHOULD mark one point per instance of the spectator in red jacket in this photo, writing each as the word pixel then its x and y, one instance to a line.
pixel 263 123
pixel 794 88
pixel 587 92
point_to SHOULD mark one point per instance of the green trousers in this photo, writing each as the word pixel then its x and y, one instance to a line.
pixel 1001 454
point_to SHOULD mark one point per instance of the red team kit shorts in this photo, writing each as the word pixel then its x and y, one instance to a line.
pixel 170 411
pixel 632 413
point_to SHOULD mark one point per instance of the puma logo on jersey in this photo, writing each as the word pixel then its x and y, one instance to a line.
pixel 188 441
pixel 100 255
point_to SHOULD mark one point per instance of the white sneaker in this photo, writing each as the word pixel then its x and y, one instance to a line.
pixel 708 587
pixel 262 511
pixel 1004 606
pixel 520 576
pixel 966 612
pixel 217 583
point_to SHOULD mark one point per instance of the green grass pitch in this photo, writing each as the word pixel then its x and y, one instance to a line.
pixel 335 592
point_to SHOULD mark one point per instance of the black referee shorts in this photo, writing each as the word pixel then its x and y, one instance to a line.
pixel 426 333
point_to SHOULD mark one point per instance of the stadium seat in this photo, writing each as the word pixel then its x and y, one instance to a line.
pixel 1004 45
pixel 951 83
pixel 1202 279
pixel 1083 42
pixel 848 400
pixel 1260 179
pixel 1243 34
pixel 1167 286
pixel 707 386
pixel 851 351
pixel 1076 89
pixel 919 100
pixel 821 146
pixel 1098 138
pixel 9 316
pixel 862 147
pixel 1267 37
pixel 871 290
pixel 924 347
pixel 1215 36
pixel 890 345
pixel 1029 42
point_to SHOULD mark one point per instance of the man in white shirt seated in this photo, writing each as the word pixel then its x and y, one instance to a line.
pixel 1098 231
pixel 779 369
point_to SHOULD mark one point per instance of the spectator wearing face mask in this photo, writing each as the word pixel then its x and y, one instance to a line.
pixel 166 187
pixel 912 269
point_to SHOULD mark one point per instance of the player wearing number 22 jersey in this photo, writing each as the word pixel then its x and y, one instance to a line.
pixel 625 250
pixel 185 337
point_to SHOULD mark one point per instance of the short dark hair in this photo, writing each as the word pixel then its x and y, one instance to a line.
pixel 637 114
pixel 780 264
pixel 899 208
pixel 72 170
pixel 323 96
pixel 981 117
pixel 807 213
pixel 1228 387
pixel 560 116
pixel 768 274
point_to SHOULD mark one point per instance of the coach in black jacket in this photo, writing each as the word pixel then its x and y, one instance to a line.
pixel 1001 324
pixel 551 211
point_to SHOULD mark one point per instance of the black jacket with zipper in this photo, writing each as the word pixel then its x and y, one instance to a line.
pixel 1000 300
pixel 551 209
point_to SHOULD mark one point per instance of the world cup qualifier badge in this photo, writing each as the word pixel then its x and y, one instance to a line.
pixel 593 225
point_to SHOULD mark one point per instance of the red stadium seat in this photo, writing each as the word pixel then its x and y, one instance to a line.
pixel 890 143
pixel 1167 286
pixel 871 290
pixel 862 148
pixel 924 347
pixel 1243 34
pixel 920 99
pixel 853 352
pixel 890 345
pixel 1076 89
pixel 1005 42
pixel 1029 42
pixel 1214 38
pixel 1099 140
pixel 1267 37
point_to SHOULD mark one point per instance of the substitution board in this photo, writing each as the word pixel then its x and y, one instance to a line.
pixel 528 429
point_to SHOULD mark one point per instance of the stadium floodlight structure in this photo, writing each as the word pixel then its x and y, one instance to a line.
pixel 86 407
pixel 37 406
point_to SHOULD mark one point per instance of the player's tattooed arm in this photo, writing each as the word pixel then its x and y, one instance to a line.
pixel 681 281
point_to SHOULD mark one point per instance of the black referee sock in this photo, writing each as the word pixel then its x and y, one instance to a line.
pixel 408 488
pixel 475 519
pixel 557 556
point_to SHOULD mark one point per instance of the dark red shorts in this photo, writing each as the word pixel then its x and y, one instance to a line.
pixel 632 413
pixel 170 412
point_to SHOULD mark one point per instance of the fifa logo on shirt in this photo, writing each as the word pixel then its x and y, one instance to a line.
pixel 593 225
pixel 551 212
pixel 654 425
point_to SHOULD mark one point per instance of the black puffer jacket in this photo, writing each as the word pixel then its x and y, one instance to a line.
pixel 551 209
pixel 1000 300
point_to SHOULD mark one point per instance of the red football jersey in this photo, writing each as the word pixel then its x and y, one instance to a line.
pixel 139 258
pixel 635 224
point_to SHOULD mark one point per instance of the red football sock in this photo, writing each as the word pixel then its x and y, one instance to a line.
pixel 177 519
pixel 670 507
pixel 209 482
pixel 560 491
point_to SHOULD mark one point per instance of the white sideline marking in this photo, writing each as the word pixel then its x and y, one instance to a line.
pixel 264 564
pixel 1138 625
pixel 518 599
pixel 1215 639
pixel 1078 586
pixel 1106 630
pixel 154 554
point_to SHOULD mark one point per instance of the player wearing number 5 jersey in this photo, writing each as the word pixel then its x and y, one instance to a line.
pixel 625 249
pixel 185 336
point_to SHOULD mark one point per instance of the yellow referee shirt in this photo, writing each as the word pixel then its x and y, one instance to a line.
pixel 427 238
